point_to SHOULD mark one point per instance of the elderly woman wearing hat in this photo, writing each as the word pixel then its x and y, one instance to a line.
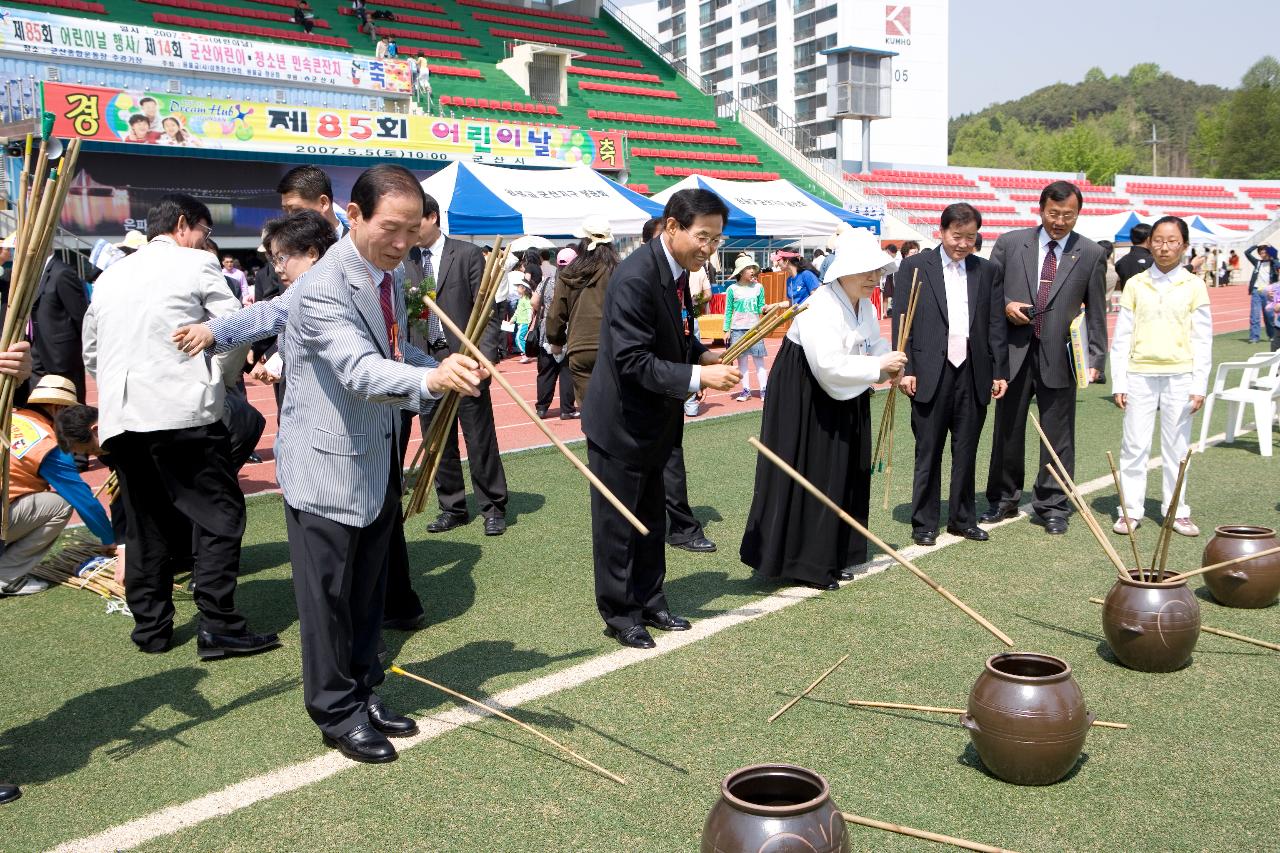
pixel 743 305
pixel 44 487
pixel 573 326
pixel 819 420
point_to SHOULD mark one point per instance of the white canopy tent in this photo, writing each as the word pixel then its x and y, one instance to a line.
pixel 772 208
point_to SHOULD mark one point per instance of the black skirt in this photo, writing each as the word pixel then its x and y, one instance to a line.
pixel 789 533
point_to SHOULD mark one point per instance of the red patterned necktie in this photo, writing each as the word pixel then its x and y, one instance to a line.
pixel 682 287
pixel 388 312
pixel 1047 273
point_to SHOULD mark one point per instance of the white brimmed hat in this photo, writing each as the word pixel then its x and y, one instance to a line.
pixel 743 262
pixel 842 230
pixel 857 252
pixel 54 390
pixel 132 240
pixel 595 230
pixel 10 242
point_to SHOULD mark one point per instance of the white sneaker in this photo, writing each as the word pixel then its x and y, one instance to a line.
pixel 1185 527
pixel 25 585
pixel 1124 526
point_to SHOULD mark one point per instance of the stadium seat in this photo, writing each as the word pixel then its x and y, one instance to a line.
pixel 543 38
pixel 234 11
pixel 638 91
pixel 536 13
pixel 68 5
pixel 243 29
pixel 430 8
pixel 418 35
pixel 440 23
pixel 613 75
pixel 538 25
pixel 610 60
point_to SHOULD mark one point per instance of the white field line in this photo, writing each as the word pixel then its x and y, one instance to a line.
pixel 240 795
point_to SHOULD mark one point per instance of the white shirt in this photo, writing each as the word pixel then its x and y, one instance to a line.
pixel 843 348
pixel 1044 250
pixel 377 274
pixel 956 280
pixel 695 376
pixel 1201 340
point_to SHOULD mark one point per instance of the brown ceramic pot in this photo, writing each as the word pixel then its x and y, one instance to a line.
pixel 1255 583
pixel 774 808
pixel 1027 718
pixel 1152 627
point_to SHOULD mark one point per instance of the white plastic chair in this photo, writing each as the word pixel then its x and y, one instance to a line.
pixel 1259 386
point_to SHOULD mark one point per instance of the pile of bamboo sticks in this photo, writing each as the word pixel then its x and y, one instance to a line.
pixel 42 189
pixel 426 462
pixel 883 454
pixel 769 322
pixel 65 569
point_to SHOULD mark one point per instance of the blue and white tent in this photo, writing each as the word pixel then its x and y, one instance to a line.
pixel 772 208
pixel 1110 226
pixel 476 199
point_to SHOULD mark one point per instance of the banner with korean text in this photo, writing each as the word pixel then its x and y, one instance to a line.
pixel 153 118
pixel 39 34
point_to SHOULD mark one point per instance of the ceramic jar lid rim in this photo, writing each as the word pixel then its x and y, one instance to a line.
pixel 775 811
pixel 1031 679
pixel 1133 581
pixel 1244 531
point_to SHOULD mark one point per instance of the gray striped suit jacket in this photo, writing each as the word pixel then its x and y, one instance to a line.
pixel 339 423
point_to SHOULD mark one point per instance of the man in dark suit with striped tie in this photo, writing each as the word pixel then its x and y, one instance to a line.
pixel 350 369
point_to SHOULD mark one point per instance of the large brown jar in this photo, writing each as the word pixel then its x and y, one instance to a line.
pixel 1152 627
pixel 1027 718
pixel 774 808
pixel 1255 583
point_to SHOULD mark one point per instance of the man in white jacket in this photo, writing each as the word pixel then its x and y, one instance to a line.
pixel 160 418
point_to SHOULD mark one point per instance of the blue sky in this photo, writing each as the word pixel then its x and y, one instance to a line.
pixel 1208 43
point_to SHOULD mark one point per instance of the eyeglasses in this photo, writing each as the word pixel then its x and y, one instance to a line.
pixel 706 240
pixel 278 261
pixel 1162 244
pixel 1060 217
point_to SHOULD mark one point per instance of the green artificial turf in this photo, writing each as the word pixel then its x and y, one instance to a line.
pixel 98 734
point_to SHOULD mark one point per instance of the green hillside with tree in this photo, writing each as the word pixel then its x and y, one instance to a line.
pixel 1102 126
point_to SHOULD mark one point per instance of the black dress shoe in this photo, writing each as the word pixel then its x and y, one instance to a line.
pixel 823 585
pixel 999 512
pixel 1056 526
pixel 572 415
pixel 408 623
pixel 446 521
pixel 975 533
pixel 363 743
pixel 663 620
pixel 495 526
pixel 542 412
pixel 9 793
pixel 845 574
pixel 210 646
pixel 926 538
pixel 701 545
pixel 636 637
pixel 390 723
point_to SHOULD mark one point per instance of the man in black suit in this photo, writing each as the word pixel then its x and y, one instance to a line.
pixel 648 363
pixel 1049 272
pixel 957 362
pixel 1138 258
pixel 457 267
pixel 56 318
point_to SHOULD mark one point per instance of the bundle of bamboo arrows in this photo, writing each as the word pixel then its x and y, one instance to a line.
pixel 65 568
pixel 769 322
pixel 426 462
pixel 42 189
pixel 883 454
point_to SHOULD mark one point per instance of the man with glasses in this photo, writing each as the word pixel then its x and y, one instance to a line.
pixel 1049 272
pixel 160 418
pixel 649 361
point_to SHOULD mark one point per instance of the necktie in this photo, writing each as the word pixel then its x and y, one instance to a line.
pixel 682 287
pixel 1047 273
pixel 957 344
pixel 435 332
pixel 388 312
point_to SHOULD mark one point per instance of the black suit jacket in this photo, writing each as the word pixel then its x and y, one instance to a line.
pixel 643 367
pixel 927 348
pixel 1081 280
pixel 1137 260
pixel 266 286
pixel 458 271
pixel 57 316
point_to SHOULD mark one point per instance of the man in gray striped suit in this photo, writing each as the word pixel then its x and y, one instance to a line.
pixel 349 369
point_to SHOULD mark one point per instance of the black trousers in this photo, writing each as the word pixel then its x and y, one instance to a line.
pixel 339 580
pixel 173 482
pixel 953 410
pixel 629 568
pixel 401 600
pixel 1057 407
pixel 487 476
pixel 683 526
pixel 550 374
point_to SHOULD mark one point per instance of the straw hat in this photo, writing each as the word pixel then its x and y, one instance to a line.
pixel 132 240
pixel 565 257
pixel 857 252
pixel 10 242
pixel 54 390
pixel 595 230
pixel 743 262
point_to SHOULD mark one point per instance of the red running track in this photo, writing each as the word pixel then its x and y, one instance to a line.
pixel 1230 313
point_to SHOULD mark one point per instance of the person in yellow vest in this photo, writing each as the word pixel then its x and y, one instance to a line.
pixel 44 487
pixel 1161 355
